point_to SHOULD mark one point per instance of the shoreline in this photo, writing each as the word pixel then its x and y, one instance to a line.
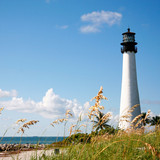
pixel 21 147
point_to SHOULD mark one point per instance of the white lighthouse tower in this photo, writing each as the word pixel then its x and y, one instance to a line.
pixel 129 88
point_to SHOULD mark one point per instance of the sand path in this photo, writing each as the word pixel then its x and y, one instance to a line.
pixel 26 155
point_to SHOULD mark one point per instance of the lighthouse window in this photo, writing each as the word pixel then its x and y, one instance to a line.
pixel 128 38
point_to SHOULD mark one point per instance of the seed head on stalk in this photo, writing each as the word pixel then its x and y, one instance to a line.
pixel 26 125
pixel 95 109
pixel 1 109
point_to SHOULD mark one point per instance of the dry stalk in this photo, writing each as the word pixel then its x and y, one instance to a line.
pixel 148 113
pixel 133 108
pixel 151 148
pixel 26 125
pixel 77 130
pixel 21 120
pixel 1 109
pixel 63 119
pixel 137 118
pixel 124 120
pixel 143 119
pixel 68 113
pixel 71 129
pixel 129 114
pixel 95 109
pixel 105 117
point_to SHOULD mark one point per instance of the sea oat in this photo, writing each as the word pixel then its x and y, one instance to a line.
pixel 52 124
pixel 71 129
pixel 90 115
pixel 61 120
pixel 101 90
pixel 99 95
pixel 149 111
pixel 105 117
pixel 95 109
pixel 151 148
pixel 68 112
pixel 56 121
pixel 133 108
pixel 26 125
pixel 101 107
pixel 1 109
pixel 126 115
pixel 82 125
pixel 77 130
pixel 124 120
pixel 139 123
pixel 21 120
pixel 137 118
pixel 143 119
pixel 21 129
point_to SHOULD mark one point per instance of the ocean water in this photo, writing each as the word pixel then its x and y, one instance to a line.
pixel 29 140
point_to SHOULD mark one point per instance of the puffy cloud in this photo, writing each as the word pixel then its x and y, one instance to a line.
pixel 51 105
pixel 98 19
pixel 114 119
pixel 107 17
pixel 12 93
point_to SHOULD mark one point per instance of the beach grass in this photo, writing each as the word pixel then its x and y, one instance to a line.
pixel 128 146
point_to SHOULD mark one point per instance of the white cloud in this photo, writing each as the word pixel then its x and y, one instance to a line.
pixel 89 29
pixel 98 19
pixel 114 120
pixel 12 93
pixel 51 105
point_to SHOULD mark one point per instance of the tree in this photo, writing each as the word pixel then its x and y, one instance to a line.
pixel 145 119
pixel 101 122
pixel 155 121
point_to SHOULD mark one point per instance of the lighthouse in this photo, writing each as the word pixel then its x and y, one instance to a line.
pixel 129 88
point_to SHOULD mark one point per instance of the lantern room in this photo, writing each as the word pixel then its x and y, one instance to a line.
pixel 129 42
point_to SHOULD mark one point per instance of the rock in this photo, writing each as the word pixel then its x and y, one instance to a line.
pixel 16 147
pixel 56 150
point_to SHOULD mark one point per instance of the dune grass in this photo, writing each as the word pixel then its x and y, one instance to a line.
pixel 128 146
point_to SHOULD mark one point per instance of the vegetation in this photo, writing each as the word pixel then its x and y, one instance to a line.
pixel 101 124
pixel 155 121
pixel 104 142
pixel 146 120
pixel 122 145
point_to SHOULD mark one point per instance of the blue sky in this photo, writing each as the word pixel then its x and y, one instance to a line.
pixel 55 55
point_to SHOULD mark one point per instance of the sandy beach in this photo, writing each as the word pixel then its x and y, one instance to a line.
pixel 25 155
